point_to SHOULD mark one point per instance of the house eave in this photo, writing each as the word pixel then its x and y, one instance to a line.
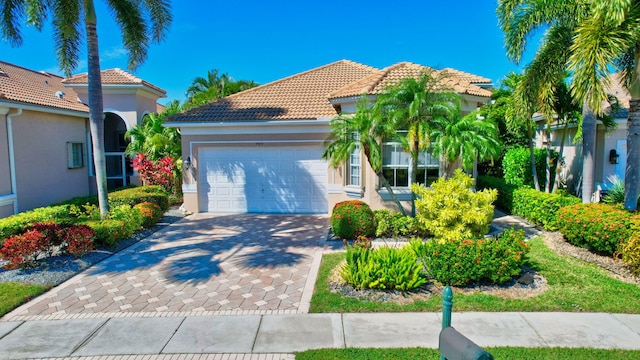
pixel 42 108
pixel 319 125
pixel 127 87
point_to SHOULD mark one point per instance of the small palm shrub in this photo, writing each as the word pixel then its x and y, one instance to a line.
pixel 461 262
pixel 540 207
pixel 392 224
pixel 451 210
pixel 151 213
pixel 599 227
pixel 352 219
pixel 382 268
pixel 615 194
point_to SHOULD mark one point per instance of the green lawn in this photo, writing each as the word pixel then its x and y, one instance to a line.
pixel 503 353
pixel 14 294
pixel 573 286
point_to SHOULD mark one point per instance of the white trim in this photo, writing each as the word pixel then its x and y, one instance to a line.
pixel 334 188
pixel 189 188
pixel 12 159
pixel 8 200
pixel 135 87
pixel 45 109
pixel 256 143
pixel 120 115
pixel 319 126
pixel 354 191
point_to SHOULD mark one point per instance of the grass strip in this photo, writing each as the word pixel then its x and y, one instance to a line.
pixel 574 286
pixel 14 294
pixel 497 352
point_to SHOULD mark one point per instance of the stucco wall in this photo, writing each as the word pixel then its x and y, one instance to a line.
pixel 42 173
pixel 5 172
pixel 6 211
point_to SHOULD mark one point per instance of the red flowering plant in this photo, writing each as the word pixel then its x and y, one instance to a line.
pixel 78 239
pixel 159 172
pixel 352 219
pixel 22 250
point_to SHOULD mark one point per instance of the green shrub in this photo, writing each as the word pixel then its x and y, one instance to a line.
pixel 351 219
pixel 151 213
pixel 451 210
pixel 599 227
pixel 382 268
pixel 18 224
pixel 137 195
pixel 517 166
pixel 108 232
pixel 131 216
pixel 615 193
pixel 539 207
pixel 460 262
pixel 630 252
pixel 505 191
pixel 392 224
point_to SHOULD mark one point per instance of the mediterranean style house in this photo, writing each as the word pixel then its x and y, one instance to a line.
pixel 260 150
pixel 610 156
pixel 45 145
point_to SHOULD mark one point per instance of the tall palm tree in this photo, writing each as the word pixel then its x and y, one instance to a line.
pixel 605 41
pixel 214 86
pixel 360 131
pixel 413 105
pixel 69 19
pixel 466 139
pixel 520 20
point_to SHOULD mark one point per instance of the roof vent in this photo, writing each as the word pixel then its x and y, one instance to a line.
pixel 2 73
pixel 59 94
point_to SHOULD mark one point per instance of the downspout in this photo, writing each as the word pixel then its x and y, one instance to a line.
pixel 12 160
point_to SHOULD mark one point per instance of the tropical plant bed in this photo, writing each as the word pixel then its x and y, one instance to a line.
pixel 565 284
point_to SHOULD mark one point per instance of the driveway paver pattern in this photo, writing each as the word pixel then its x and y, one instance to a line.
pixel 208 264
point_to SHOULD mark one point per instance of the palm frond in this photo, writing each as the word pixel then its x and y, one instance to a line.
pixel 12 15
pixel 160 17
pixel 129 17
pixel 67 33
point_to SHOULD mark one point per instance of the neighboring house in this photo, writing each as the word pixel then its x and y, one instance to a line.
pixel 260 150
pixel 611 146
pixel 45 145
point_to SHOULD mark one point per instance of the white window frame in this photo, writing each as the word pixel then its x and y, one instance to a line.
pixel 426 161
pixel 354 168
pixel 75 154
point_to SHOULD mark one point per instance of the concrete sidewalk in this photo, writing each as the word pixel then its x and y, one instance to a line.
pixel 279 336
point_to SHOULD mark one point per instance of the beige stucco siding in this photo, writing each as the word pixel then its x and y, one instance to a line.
pixel 40 145
pixel 5 171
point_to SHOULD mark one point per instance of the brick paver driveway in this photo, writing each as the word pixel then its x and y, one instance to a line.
pixel 201 264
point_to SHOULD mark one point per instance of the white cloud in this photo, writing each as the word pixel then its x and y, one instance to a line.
pixel 114 53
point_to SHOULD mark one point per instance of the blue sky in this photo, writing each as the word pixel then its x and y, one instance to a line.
pixel 265 40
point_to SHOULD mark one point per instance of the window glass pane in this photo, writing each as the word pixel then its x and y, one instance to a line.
pixel 389 175
pixel 402 177
pixel 403 157
pixel 387 154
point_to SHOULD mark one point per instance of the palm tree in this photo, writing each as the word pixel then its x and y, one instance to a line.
pixel 360 131
pixel 466 139
pixel 413 105
pixel 609 40
pixel 69 17
pixel 519 20
pixel 153 139
pixel 214 86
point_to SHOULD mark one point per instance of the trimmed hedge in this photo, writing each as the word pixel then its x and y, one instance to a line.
pixel 108 232
pixel 516 165
pixel 134 196
pixel 505 191
pixel 539 207
pixel 75 210
pixel 601 228
pixel 461 262
pixel 18 224
pixel 351 219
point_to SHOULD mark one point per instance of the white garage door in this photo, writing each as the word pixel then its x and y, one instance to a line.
pixel 263 180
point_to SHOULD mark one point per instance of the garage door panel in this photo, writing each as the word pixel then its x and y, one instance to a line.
pixel 270 180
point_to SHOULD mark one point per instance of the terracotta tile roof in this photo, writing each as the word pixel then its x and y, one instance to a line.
pixel 36 88
pixel 378 83
pixel 300 96
pixel 115 76
pixel 472 78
